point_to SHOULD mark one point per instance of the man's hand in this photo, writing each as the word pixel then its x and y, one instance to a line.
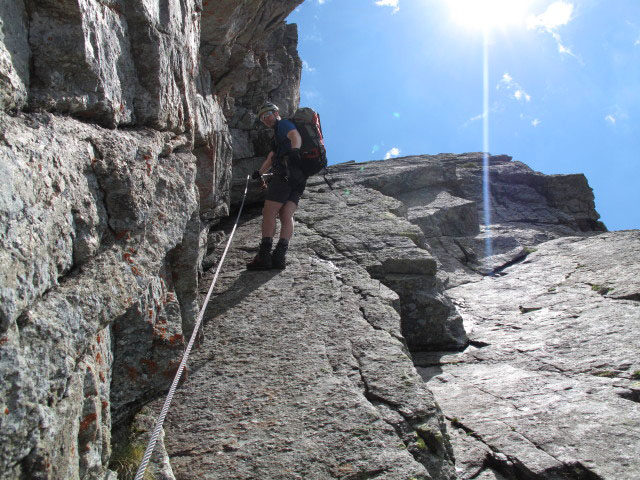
pixel 257 176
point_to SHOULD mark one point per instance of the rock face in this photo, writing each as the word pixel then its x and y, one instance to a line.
pixel 328 334
pixel 252 57
pixel 116 153
pixel 304 374
pixel 548 386
pixel 551 388
pixel 14 55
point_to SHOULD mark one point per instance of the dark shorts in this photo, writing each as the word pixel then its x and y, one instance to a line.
pixel 283 190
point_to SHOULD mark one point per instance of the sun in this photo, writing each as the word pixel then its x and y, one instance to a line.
pixel 489 13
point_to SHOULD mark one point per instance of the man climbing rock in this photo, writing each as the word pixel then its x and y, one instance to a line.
pixel 284 190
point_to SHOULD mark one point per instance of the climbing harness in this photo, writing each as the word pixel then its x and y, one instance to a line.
pixel 156 432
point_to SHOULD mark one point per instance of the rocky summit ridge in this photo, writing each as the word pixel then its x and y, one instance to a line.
pixel 405 339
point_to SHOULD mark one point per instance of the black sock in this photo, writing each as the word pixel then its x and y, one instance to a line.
pixel 267 241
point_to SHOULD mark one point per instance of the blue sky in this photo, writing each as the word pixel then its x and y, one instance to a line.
pixel 405 77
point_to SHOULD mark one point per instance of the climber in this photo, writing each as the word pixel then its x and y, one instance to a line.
pixel 284 190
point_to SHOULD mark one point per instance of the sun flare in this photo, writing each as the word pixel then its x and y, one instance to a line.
pixel 489 13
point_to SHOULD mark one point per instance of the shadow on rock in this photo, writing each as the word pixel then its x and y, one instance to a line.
pixel 246 283
pixel 429 364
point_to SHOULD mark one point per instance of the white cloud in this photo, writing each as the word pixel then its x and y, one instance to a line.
pixel 563 48
pixel 495 108
pixel 307 68
pixel 507 82
pixel 321 1
pixel 314 37
pixel 473 119
pixel 618 115
pixel 395 4
pixel 394 152
pixel 532 120
pixel 558 14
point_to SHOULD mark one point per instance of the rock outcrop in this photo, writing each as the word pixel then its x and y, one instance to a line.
pixel 92 219
pixel 551 387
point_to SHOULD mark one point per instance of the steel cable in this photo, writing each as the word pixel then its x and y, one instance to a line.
pixel 158 427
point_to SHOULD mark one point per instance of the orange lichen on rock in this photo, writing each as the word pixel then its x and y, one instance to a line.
pixel 87 421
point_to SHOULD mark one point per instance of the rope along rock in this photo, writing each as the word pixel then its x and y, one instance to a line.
pixel 159 422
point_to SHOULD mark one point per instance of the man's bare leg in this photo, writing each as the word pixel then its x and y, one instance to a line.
pixel 269 214
pixel 286 220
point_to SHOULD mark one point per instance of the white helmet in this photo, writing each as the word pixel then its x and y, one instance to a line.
pixel 267 107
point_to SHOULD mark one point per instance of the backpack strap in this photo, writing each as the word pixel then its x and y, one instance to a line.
pixel 325 172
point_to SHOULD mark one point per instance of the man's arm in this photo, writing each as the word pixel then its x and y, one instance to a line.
pixel 296 139
pixel 266 165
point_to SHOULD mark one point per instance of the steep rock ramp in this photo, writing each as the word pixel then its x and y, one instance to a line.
pixel 304 374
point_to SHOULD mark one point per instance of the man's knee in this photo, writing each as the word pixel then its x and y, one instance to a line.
pixel 285 216
pixel 271 209
pixel 286 212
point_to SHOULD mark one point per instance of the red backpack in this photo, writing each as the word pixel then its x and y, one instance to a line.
pixel 313 154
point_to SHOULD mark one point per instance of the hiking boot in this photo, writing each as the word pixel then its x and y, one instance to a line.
pixel 262 261
pixel 278 258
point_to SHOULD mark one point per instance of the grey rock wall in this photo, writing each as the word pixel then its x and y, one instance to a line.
pixel 287 353
pixel 555 357
pixel 91 217
pixel 116 157
pixel 14 55
pixel 439 199
pixel 252 57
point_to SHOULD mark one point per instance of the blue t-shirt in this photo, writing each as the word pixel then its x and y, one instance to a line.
pixel 283 144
